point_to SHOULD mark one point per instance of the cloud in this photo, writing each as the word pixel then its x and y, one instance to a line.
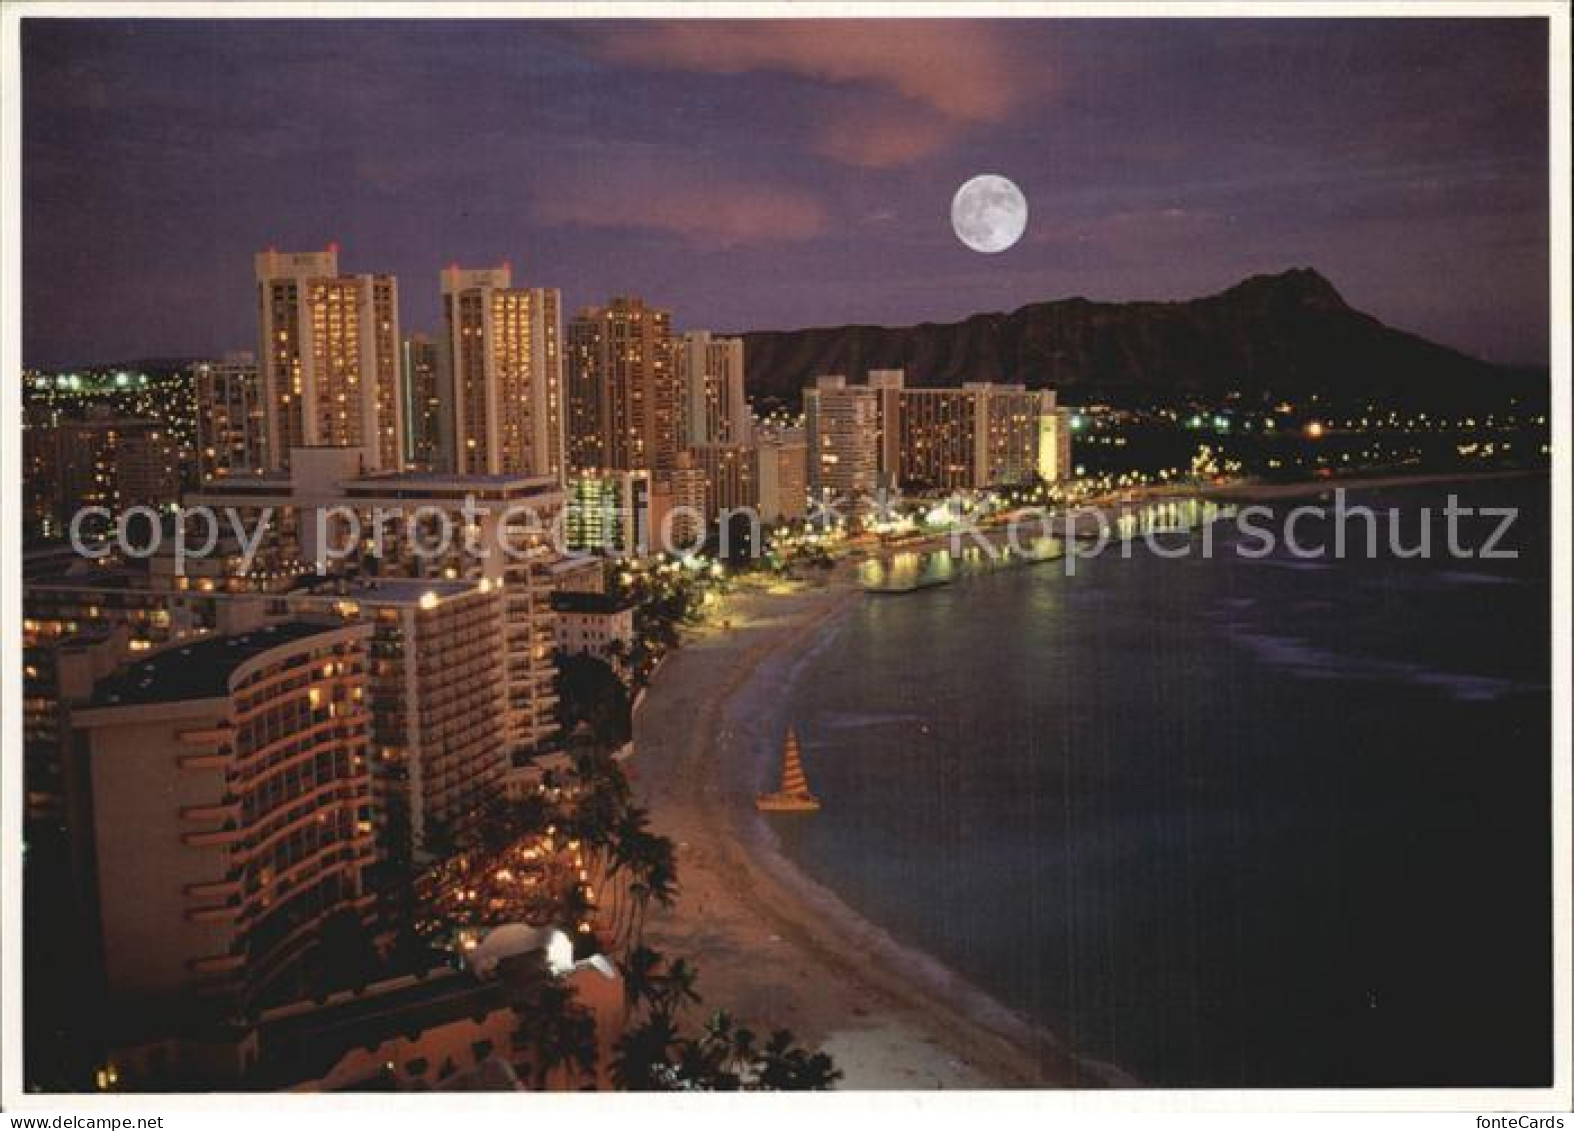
pixel 929 78
pixel 714 213
pixel 884 137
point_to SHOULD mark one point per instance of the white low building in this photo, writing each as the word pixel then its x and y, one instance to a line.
pixel 594 624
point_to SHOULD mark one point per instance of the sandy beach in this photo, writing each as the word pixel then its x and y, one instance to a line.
pixel 770 944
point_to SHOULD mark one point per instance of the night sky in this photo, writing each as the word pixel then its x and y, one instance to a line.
pixel 772 175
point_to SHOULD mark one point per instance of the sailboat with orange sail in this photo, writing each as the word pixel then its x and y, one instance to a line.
pixel 794 795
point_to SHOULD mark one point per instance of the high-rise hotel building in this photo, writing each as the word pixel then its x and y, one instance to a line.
pixel 625 398
pixel 230 432
pixel 329 358
pixel 101 460
pixel 435 687
pixel 608 512
pixel 931 439
pixel 426 408
pixel 782 484
pixel 226 814
pixel 505 362
pixel 510 517
pixel 842 423
pixel 710 370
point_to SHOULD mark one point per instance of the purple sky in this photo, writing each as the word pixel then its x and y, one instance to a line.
pixel 771 175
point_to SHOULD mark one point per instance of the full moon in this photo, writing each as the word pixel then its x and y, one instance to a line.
pixel 989 213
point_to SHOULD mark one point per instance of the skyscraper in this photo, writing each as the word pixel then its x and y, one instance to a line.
pixel 710 369
pixel 732 473
pixel 230 438
pixel 227 813
pixel 608 511
pixel 625 409
pixel 436 693
pixel 783 485
pixel 425 407
pixel 103 460
pixel 842 423
pixel 505 364
pixel 329 358
pixel 929 438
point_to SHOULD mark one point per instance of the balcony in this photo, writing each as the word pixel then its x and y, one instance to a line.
pixel 207 736
pixel 217 913
pixel 226 810
pixel 213 889
pixel 209 838
pixel 215 761
pixel 216 964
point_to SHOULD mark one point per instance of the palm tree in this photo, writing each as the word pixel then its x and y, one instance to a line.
pixel 558 1031
pixel 784 1067
pixel 728 1051
pixel 658 879
pixel 641 981
pixel 676 987
pixel 642 1062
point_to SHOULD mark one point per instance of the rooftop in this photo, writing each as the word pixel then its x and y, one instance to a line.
pixel 198 670
pixel 443 481
pixel 575 602
pixel 305 1046
pixel 391 590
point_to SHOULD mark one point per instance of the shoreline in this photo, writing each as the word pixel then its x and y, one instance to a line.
pixel 1236 493
pixel 771 944
pixel 1312 488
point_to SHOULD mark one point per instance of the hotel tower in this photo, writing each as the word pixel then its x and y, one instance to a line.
pixel 506 368
pixel 329 358
pixel 715 410
pixel 625 399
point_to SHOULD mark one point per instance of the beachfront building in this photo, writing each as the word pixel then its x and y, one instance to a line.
pixel 888 385
pixel 1054 446
pixel 328 358
pixel 227 808
pixel 678 506
pixel 595 624
pixel 842 424
pixel 437 696
pixel 732 475
pixel 978 435
pixel 938 437
pixel 321 504
pixel 782 483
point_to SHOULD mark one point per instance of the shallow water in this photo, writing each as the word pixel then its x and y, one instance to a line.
pixel 1223 822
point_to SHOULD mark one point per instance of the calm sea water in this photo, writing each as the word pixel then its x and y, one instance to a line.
pixel 1221 822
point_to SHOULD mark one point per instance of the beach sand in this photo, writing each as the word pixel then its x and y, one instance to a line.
pixel 771 946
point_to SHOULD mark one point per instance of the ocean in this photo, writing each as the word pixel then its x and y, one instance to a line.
pixel 1229 822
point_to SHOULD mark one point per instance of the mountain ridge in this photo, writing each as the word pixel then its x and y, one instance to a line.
pixel 1271 335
